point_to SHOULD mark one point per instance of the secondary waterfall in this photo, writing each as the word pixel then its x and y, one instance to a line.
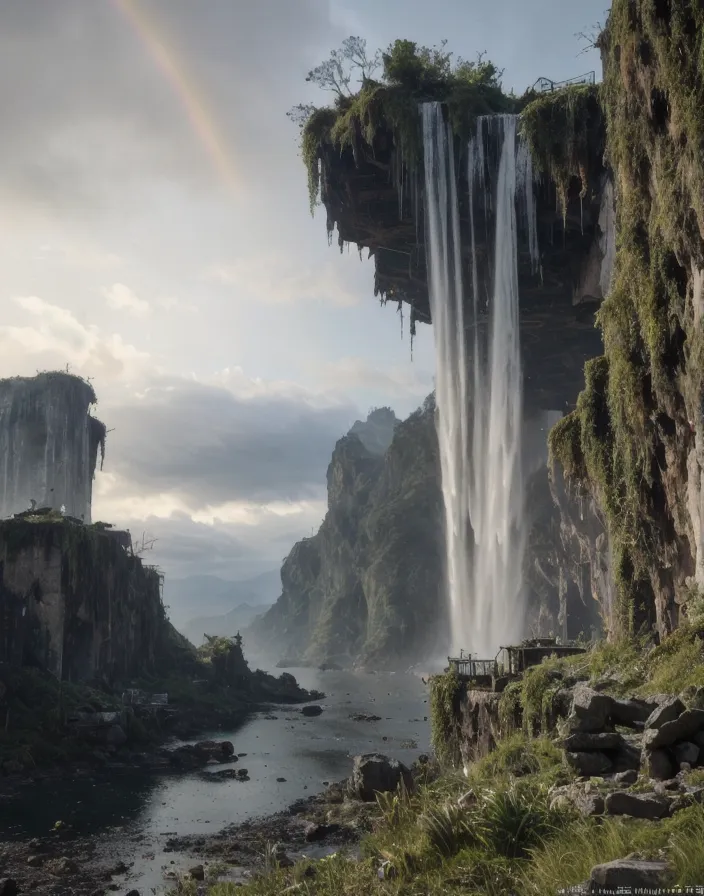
pixel 478 371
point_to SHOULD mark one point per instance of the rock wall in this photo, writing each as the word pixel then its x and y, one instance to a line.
pixel 48 444
pixel 76 602
pixel 367 587
pixel 634 444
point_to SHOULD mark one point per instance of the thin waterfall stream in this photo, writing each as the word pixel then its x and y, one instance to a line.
pixel 478 371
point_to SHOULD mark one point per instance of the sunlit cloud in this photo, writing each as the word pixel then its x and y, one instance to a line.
pixel 122 298
pixel 279 280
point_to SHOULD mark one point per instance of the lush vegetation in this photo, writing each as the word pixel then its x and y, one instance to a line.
pixel 627 441
pixel 497 829
pixel 410 74
pixel 565 133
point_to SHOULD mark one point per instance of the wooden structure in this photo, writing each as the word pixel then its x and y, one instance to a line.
pixel 516 659
pixel 509 663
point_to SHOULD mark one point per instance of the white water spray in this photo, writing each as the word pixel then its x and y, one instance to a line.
pixel 480 404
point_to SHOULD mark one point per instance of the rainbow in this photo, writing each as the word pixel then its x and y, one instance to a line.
pixel 184 88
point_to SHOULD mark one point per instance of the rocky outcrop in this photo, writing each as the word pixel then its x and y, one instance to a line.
pixel 76 602
pixel 367 168
pixel 367 587
pixel 374 773
pixel 49 444
pixel 634 443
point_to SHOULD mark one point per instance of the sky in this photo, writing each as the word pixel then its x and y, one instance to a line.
pixel 155 237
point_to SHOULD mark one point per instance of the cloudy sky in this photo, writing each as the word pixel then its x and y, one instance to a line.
pixel 155 237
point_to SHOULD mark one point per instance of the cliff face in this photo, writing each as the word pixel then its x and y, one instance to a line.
pixel 48 444
pixel 635 444
pixel 75 602
pixel 367 587
pixel 365 160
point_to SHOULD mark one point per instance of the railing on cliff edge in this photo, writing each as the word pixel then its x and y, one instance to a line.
pixel 545 85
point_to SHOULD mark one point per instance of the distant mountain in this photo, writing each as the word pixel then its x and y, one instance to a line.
pixel 376 432
pixel 211 596
pixel 227 625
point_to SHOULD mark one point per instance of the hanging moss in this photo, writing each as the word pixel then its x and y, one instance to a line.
pixel 315 134
pixel 445 693
pixel 389 107
pixel 633 425
pixel 565 132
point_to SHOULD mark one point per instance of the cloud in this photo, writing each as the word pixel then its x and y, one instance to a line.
pixel 122 298
pixel 90 114
pixel 205 446
pixel 275 279
pixel 54 337
pixel 350 374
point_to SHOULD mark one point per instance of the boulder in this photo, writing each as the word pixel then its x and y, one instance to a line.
pixel 8 887
pixel 698 739
pixel 637 805
pixel 374 773
pixel 585 798
pixel 591 765
pixel 311 710
pixel 686 752
pixel 668 710
pixel 684 727
pixel 628 758
pixel 628 777
pixel 657 764
pixel 197 872
pixel 590 709
pixel 628 874
pixel 631 712
pixel 587 741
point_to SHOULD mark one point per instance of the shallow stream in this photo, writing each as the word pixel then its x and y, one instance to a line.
pixel 133 815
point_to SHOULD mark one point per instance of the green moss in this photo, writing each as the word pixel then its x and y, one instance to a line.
pixel 412 75
pixel 565 132
pixel 511 707
pixel 445 693
pixel 540 686
pixel 653 382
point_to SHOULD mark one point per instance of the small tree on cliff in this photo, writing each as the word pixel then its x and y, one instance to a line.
pixel 340 74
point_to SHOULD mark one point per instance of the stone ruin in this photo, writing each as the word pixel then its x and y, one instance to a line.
pixel 49 444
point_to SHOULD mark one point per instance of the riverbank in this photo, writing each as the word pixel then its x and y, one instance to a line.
pixel 530 818
pixel 51 727
pixel 143 818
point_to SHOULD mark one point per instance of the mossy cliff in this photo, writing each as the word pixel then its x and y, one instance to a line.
pixel 364 160
pixel 368 586
pixel 76 601
pixel 635 442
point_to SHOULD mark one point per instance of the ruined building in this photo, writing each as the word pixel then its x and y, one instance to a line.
pixel 74 599
pixel 49 444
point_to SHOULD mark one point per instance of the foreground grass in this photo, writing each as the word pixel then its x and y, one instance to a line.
pixel 564 851
pixel 493 832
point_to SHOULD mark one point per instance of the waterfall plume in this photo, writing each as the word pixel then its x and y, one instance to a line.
pixel 478 371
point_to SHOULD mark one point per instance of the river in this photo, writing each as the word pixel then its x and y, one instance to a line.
pixel 133 815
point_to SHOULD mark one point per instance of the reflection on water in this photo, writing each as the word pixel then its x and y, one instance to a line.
pixel 307 752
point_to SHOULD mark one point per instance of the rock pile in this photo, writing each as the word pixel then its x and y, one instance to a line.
pixel 667 736
pixel 592 745
pixel 673 739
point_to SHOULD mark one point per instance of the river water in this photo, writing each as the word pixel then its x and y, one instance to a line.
pixel 133 814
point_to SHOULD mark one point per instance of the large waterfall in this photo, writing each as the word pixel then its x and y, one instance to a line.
pixel 478 371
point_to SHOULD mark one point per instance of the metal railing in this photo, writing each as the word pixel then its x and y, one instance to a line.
pixel 545 85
